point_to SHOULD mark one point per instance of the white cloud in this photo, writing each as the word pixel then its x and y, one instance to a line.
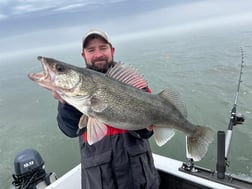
pixel 2 17
pixel 20 7
pixel 27 8
pixel 69 7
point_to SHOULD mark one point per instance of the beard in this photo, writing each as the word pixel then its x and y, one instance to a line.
pixel 104 68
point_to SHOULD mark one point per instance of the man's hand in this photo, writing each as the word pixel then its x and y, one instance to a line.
pixel 57 97
pixel 150 128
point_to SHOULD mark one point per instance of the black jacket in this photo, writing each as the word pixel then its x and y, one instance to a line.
pixel 119 161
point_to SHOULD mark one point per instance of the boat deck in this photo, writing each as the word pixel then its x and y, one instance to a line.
pixel 171 174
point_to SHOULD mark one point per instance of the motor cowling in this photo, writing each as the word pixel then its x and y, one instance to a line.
pixel 30 171
pixel 27 162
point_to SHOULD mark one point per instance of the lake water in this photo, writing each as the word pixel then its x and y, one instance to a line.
pixel 202 65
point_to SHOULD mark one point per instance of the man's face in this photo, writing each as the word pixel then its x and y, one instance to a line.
pixel 98 54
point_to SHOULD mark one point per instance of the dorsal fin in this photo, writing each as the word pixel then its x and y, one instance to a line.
pixel 175 99
pixel 128 75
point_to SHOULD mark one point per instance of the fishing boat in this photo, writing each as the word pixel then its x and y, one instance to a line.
pixel 174 174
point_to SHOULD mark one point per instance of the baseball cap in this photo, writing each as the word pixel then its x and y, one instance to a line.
pixel 100 33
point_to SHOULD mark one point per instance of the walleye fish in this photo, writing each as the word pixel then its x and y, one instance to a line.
pixel 115 99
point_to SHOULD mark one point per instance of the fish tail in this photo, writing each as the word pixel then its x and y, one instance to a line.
pixel 198 142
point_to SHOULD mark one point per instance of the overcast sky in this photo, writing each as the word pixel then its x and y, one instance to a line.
pixel 26 23
pixel 18 16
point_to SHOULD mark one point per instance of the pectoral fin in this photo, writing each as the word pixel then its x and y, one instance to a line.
pixel 95 130
pixel 83 121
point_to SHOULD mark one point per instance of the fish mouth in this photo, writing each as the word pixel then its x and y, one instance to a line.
pixel 45 78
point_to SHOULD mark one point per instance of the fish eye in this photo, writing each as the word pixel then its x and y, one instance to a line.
pixel 60 68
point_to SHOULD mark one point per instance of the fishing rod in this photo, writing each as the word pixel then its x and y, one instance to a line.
pixel 235 117
pixel 224 140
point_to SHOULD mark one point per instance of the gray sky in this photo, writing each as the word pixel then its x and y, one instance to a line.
pixel 33 23
pixel 26 15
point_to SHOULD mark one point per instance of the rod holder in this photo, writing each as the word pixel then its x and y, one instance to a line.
pixel 221 163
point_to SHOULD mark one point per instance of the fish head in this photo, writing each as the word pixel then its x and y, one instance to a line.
pixel 57 76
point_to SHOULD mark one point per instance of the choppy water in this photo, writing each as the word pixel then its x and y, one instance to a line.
pixel 202 65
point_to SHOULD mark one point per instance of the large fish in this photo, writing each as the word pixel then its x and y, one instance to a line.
pixel 115 99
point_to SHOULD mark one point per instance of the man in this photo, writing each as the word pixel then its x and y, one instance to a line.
pixel 122 159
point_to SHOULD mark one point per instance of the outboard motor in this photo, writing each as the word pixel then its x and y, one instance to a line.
pixel 30 171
